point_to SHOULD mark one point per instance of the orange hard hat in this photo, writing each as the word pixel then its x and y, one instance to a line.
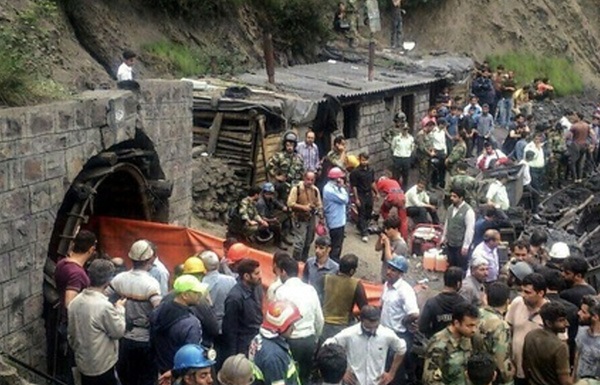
pixel 280 316
pixel 237 252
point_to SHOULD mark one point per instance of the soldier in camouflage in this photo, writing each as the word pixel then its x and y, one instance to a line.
pixel 353 11
pixel 495 331
pixel 425 151
pixel 449 350
pixel 286 167
pixel 559 158
pixel 250 220
pixel 467 182
pixel 458 154
pixel 337 156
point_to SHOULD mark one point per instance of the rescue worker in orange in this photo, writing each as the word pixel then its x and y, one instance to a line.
pixel 393 196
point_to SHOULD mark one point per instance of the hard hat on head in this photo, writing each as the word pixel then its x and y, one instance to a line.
pixel 280 316
pixel 336 173
pixel 234 368
pixel 187 283
pixel 237 252
pixel 559 250
pixel 141 251
pixel 520 269
pixel 268 187
pixel 400 117
pixel 290 136
pixel 352 161
pixel 193 265
pixel 399 263
pixel 192 356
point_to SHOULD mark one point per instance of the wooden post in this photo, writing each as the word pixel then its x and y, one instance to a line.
pixel 269 58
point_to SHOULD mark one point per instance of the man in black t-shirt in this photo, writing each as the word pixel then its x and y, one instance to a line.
pixel 437 312
pixel 362 180
pixel 574 270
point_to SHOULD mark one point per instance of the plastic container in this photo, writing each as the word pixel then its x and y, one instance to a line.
pixel 429 259
pixel 441 263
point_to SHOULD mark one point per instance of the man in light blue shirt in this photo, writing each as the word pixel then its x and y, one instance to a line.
pixel 335 200
pixel 309 152
pixel 219 284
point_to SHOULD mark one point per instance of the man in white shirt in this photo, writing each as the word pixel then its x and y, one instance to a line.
pixel 303 340
pixel 534 194
pixel 125 71
pixel 438 140
pixel 497 195
pixel 400 311
pixel 473 102
pixel 488 250
pixel 403 146
pixel 537 165
pixel 418 204
pixel 489 154
pixel 367 345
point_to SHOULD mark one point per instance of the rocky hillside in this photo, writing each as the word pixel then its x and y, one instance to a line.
pixel 78 42
pixel 566 28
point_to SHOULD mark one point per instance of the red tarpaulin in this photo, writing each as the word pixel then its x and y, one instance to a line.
pixel 175 244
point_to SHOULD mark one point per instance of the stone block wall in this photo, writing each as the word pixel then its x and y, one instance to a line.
pixel 42 150
pixel 422 104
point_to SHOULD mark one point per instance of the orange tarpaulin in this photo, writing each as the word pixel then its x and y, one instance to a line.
pixel 175 244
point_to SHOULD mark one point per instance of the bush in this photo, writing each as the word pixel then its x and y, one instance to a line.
pixel 197 8
pixel 527 67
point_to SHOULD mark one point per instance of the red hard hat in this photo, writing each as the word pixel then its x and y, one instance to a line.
pixel 280 316
pixel 237 252
pixel 336 173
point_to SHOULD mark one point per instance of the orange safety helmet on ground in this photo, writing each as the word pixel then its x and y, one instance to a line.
pixel 194 265
pixel 280 316
pixel 237 252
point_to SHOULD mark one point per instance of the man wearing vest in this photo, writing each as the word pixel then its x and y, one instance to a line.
pixel 458 229
pixel 338 294
pixel 305 202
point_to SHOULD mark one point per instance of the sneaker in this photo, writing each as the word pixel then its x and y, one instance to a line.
pixel 365 239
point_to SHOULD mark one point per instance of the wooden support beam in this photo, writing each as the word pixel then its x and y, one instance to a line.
pixel 215 129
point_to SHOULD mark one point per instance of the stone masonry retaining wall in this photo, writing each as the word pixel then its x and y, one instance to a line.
pixel 42 150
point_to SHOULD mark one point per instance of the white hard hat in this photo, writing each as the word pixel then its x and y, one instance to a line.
pixel 559 250
pixel 141 251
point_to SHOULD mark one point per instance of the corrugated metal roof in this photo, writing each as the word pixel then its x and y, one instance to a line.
pixel 312 81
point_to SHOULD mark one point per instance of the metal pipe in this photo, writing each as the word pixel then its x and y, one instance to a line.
pixel 269 57
pixel 33 370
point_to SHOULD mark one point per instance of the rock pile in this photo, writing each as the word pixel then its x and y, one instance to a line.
pixel 215 187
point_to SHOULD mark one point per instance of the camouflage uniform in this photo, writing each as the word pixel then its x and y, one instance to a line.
pixel 335 158
pixel 459 151
pixel 468 183
pixel 424 145
pixel 496 335
pixel 446 359
pixel 353 16
pixel 248 212
pixel 557 164
pixel 289 164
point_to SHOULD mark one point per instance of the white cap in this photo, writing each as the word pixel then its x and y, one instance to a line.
pixel 141 251
pixel 479 261
pixel 559 250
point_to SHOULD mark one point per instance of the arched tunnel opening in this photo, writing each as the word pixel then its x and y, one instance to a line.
pixel 125 181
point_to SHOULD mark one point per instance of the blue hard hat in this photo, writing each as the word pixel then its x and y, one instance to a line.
pixel 192 356
pixel 268 187
pixel 399 262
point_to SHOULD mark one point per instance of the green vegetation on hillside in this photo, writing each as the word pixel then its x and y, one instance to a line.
pixel 560 71
pixel 26 50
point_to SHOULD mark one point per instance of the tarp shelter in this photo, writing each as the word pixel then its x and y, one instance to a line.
pixel 175 244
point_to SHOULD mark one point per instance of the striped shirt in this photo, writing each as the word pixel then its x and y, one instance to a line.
pixel 310 155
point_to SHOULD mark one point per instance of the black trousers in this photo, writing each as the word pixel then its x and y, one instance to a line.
pixel 455 257
pixel 406 374
pixel 365 211
pixel 337 240
pixel 137 364
pixel 303 351
pixel 402 170
pixel 419 215
pixel 107 378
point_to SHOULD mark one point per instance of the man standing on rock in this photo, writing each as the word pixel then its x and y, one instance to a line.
pixel 580 133
pixel 397 40
pixel 125 71
pixel 305 202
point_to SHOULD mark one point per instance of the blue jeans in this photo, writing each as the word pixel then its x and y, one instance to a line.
pixel 505 106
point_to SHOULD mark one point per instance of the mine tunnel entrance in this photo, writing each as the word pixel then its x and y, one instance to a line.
pixel 125 181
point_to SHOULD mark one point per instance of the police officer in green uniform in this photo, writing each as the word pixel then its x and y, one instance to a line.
pixel 449 350
pixel 458 153
pixel 286 167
